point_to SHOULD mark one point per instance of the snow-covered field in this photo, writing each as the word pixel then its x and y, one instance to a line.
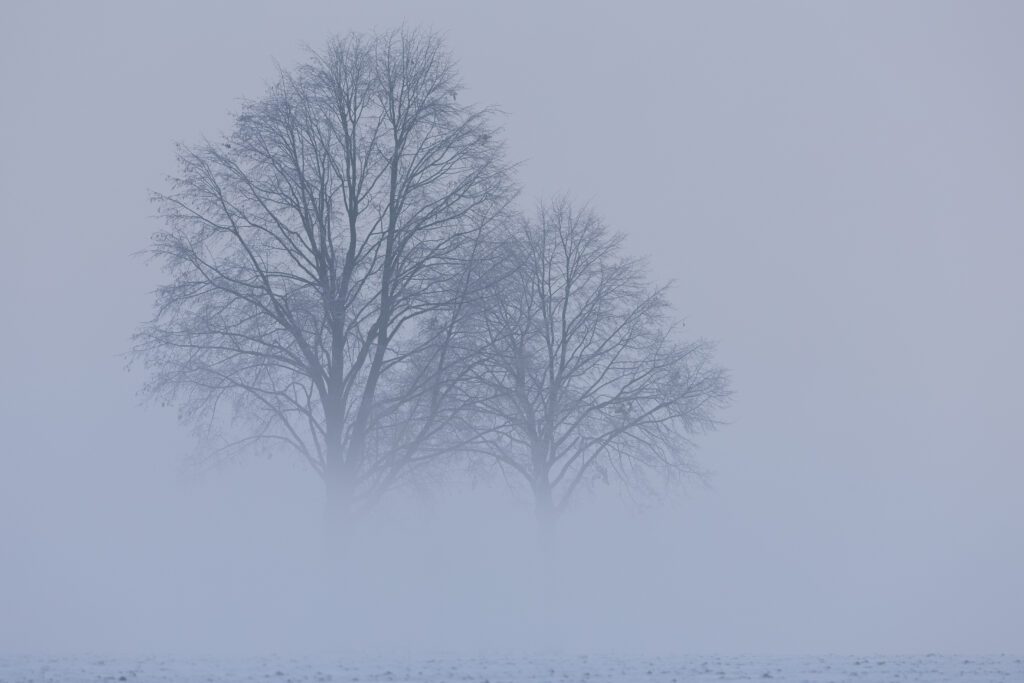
pixel 510 669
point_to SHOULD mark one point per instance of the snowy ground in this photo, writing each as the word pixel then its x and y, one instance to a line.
pixel 511 669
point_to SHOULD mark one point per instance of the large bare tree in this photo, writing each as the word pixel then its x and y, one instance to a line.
pixel 579 373
pixel 318 260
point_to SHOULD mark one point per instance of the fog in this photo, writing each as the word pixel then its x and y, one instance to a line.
pixel 835 190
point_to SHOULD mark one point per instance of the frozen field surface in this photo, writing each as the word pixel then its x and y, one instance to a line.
pixel 511 669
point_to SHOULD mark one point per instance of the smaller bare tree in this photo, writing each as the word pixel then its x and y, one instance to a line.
pixel 579 375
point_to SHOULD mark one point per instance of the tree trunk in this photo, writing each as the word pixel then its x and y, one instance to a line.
pixel 547 556
pixel 339 503
pixel 339 482
pixel 544 510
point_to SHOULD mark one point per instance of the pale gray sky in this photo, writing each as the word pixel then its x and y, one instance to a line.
pixel 837 189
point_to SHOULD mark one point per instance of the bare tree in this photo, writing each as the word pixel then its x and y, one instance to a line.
pixel 318 260
pixel 578 374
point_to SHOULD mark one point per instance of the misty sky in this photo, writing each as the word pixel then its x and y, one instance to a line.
pixel 837 190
